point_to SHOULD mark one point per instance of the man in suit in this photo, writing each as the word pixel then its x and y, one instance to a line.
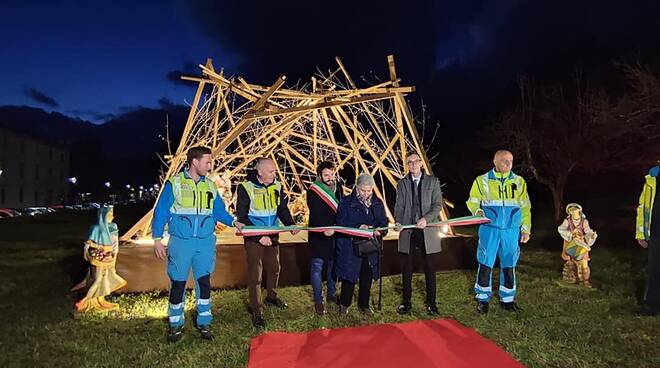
pixel 418 201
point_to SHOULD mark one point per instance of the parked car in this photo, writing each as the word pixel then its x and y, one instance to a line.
pixel 8 212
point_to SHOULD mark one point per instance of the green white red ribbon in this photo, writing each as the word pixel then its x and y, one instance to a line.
pixel 351 231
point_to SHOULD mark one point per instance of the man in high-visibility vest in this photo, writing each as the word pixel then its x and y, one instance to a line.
pixel 260 201
pixel 647 230
pixel 190 206
pixel 501 196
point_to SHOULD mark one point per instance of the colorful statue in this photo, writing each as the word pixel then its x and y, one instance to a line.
pixel 578 239
pixel 223 184
pixel 101 250
pixel 299 210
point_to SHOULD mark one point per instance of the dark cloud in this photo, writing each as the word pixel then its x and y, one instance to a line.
pixel 40 97
pixel 462 56
pixel 189 69
pixel 295 37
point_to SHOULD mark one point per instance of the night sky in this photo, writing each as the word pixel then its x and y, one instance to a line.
pixel 96 60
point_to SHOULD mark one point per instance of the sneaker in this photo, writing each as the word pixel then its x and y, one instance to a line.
pixel 175 334
pixel 319 308
pixel 482 307
pixel 343 310
pixel 432 309
pixel 368 312
pixel 258 320
pixel 205 332
pixel 277 302
pixel 511 306
pixel 404 308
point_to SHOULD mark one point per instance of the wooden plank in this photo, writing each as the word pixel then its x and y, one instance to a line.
pixel 248 117
pixel 219 98
pixel 367 147
pixel 315 138
pixel 336 102
pixel 235 87
pixel 357 156
pixel 296 177
pixel 320 141
pixel 397 109
pixel 331 135
pixel 382 136
pixel 303 159
pixel 283 181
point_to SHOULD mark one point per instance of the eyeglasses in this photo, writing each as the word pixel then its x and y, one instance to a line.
pixel 416 162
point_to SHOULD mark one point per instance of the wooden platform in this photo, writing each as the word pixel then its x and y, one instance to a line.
pixel 144 272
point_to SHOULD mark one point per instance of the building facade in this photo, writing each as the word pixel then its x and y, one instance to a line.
pixel 34 172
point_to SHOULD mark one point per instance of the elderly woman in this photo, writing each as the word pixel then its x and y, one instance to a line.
pixel 363 210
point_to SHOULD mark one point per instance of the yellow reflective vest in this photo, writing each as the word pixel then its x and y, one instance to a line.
pixel 645 207
pixel 503 199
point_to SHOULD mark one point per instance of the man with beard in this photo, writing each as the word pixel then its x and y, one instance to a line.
pixel 190 206
pixel 322 200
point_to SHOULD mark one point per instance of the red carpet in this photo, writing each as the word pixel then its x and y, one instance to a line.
pixel 432 343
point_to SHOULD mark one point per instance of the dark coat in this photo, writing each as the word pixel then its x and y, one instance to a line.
pixel 431 200
pixel 353 213
pixel 320 214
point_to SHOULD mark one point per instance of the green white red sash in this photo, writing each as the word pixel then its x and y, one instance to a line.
pixel 326 195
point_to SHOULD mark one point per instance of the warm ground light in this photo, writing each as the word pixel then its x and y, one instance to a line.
pixel 558 327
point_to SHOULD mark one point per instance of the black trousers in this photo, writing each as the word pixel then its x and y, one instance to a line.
pixel 365 280
pixel 652 296
pixel 417 245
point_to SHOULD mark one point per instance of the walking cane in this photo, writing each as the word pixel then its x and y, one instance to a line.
pixel 380 270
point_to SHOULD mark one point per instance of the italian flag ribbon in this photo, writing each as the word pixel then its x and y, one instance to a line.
pixel 326 195
pixel 351 231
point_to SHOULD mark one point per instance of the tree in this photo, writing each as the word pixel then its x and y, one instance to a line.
pixel 559 128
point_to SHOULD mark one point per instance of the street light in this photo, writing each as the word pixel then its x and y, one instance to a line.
pixel 107 184
pixel 72 180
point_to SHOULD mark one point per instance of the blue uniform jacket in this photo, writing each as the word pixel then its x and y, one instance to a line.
pixel 187 226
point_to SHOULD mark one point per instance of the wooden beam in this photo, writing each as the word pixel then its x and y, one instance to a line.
pixel 367 147
pixel 331 135
pixel 336 102
pixel 320 141
pixel 364 106
pixel 357 156
pixel 296 177
pixel 397 109
pixel 248 117
pixel 285 185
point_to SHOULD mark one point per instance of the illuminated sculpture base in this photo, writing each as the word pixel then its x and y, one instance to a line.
pixel 144 272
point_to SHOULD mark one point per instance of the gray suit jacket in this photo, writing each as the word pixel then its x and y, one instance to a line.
pixel 431 206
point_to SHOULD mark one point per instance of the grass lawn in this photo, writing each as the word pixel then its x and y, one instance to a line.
pixel 558 327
